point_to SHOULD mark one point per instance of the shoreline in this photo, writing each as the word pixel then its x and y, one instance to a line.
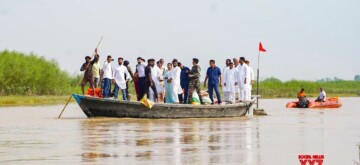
pixel 9 101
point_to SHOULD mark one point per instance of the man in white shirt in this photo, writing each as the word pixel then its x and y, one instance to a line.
pixel 119 79
pixel 225 90
pixel 161 86
pixel 322 96
pixel 140 72
pixel 174 79
pixel 107 76
pixel 236 67
pixel 155 76
pixel 230 81
pixel 252 75
pixel 244 80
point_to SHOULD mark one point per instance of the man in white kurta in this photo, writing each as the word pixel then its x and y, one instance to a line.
pixel 230 82
pixel 252 75
pixel 155 76
pixel 236 67
pixel 119 79
pixel 244 80
pixel 175 82
pixel 226 93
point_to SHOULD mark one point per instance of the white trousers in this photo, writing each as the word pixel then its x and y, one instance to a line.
pixel 237 92
pixel 247 92
pixel 231 96
pixel 175 95
pixel 151 93
pixel 226 95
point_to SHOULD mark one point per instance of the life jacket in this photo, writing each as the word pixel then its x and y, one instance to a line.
pixel 301 94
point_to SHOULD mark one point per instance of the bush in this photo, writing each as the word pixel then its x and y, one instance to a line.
pixel 29 74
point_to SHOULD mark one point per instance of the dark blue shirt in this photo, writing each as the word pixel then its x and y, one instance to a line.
pixel 184 78
pixel 213 75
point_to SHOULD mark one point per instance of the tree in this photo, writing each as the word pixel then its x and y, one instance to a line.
pixel 357 78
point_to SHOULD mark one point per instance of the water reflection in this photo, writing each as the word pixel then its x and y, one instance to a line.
pixel 196 141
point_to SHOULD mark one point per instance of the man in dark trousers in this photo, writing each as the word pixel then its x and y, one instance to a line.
pixel 194 80
pixel 140 72
pixel 213 74
pixel 88 76
pixel 126 64
pixel 184 82
pixel 149 81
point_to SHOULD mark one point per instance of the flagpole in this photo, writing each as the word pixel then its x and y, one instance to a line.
pixel 257 83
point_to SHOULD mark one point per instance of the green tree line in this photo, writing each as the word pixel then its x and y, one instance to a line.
pixel 273 87
pixel 29 74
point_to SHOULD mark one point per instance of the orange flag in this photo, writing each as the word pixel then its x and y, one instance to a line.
pixel 261 49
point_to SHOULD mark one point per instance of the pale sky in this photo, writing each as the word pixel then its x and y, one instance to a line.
pixel 305 39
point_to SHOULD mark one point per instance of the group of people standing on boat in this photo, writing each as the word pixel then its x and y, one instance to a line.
pixel 174 83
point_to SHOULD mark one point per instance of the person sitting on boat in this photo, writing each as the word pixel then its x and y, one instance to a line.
pixel 322 96
pixel 303 102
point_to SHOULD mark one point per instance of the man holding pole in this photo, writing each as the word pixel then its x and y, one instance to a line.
pixel 88 75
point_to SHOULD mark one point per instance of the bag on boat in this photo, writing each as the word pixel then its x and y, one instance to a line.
pixel 206 100
pixel 195 98
pixel 97 92
pixel 147 103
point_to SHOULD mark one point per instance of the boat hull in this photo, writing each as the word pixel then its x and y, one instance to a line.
pixel 99 107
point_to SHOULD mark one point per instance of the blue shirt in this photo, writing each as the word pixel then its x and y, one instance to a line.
pixel 184 78
pixel 213 75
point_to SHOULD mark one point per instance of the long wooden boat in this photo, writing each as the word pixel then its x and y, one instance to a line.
pixel 100 107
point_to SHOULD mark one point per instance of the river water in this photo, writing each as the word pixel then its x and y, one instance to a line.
pixel 33 135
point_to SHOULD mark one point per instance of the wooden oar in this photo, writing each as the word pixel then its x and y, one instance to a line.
pixel 79 81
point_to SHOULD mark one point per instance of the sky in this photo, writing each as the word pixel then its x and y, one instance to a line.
pixel 307 39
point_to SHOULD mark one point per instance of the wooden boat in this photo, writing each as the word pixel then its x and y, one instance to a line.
pixel 100 107
pixel 333 102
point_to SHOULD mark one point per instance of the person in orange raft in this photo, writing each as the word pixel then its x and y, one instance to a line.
pixel 303 102
pixel 301 94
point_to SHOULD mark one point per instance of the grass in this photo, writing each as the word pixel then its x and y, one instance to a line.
pixel 32 100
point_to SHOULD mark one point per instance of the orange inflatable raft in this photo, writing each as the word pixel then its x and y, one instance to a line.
pixel 333 102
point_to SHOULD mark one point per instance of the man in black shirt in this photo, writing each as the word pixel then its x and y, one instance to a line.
pixel 149 82
pixel 88 76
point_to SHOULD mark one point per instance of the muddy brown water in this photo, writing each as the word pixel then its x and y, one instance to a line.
pixel 33 135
